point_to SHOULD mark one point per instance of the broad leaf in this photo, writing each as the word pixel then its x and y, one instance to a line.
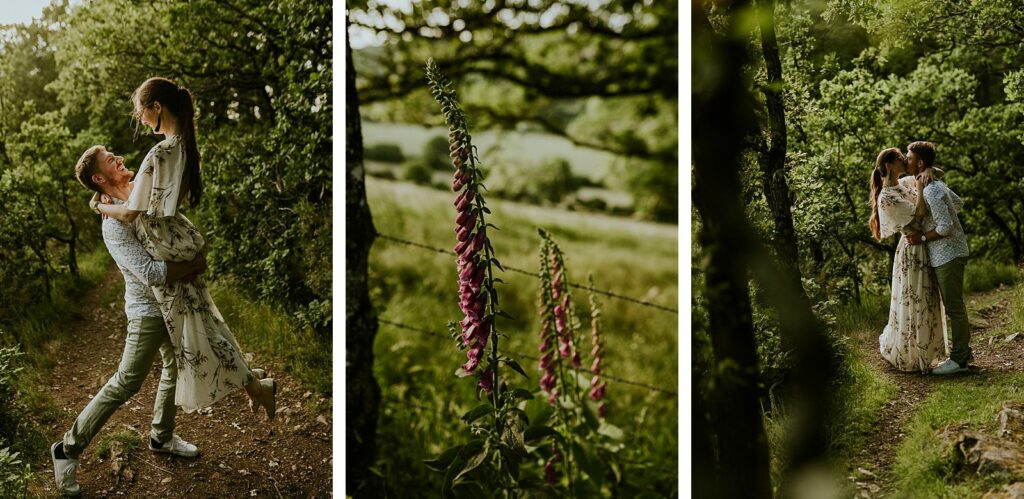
pixel 515 367
pixel 536 432
pixel 441 462
pixel 477 412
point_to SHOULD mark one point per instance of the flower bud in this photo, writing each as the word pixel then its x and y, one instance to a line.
pixel 549 472
pixel 486 381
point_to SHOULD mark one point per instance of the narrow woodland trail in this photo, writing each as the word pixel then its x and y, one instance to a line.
pixel 239 454
pixel 872 468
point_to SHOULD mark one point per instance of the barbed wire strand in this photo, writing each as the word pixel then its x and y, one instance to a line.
pixel 535 358
pixel 534 274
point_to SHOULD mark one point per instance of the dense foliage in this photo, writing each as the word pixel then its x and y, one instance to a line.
pixel 261 76
pixel 858 77
pixel 603 75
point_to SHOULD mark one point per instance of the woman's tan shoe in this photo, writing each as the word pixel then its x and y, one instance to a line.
pixel 267 398
pixel 259 374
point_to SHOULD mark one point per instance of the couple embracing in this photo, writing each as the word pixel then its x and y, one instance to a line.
pixel 170 311
pixel 909 196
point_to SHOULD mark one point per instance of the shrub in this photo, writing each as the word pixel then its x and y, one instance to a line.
pixel 417 172
pixel 983 275
pixel 11 410
pixel 14 474
pixel 386 152
pixel 548 182
pixel 435 153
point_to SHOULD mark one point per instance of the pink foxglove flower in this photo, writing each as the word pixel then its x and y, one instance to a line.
pixel 550 473
pixel 549 467
pixel 547 363
pixel 486 381
pixel 597 385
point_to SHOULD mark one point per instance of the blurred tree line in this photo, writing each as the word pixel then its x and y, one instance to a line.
pixel 261 75
pixel 826 85
pixel 601 74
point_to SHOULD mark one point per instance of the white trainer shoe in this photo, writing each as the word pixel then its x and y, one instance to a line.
pixel 948 366
pixel 175 446
pixel 64 472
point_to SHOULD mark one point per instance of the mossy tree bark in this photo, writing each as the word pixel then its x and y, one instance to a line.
pixel 362 393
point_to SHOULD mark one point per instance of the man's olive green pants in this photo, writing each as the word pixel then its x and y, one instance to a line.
pixel 951 286
pixel 146 336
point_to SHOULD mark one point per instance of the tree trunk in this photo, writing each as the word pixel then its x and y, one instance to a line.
pixel 362 394
pixel 73 233
pixel 722 105
pixel 1009 233
pixel 802 333
pixel 772 159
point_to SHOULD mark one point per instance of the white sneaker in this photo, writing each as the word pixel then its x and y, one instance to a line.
pixel 175 446
pixel 64 472
pixel 948 366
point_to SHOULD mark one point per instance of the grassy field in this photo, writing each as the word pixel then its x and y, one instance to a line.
pixel 531 147
pixel 422 399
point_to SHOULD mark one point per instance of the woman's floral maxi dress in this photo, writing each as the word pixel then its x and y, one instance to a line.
pixel 210 362
pixel 915 334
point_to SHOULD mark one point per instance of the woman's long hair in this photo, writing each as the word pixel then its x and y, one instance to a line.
pixel 178 101
pixel 880 172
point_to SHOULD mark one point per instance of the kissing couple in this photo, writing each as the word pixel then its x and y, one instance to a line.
pixel 909 196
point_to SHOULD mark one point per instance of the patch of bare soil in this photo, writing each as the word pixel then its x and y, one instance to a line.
pixel 994 354
pixel 240 454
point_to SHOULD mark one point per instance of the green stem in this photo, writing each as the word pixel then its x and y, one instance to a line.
pixel 567 454
pixel 577 399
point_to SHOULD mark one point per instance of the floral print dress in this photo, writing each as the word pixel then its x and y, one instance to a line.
pixel 210 362
pixel 915 334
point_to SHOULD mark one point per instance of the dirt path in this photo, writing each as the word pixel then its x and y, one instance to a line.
pixel 240 456
pixel 872 469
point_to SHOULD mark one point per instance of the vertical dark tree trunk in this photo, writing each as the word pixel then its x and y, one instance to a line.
pixel 72 240
pixel 722 106
pixel 802 333
pixel 362 394
pixel 1011 236
pixel 704 470
pixel 772 159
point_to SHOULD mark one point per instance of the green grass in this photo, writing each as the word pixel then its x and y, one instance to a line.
pixel 44 320
pixel 37 327
pixel 983 275
pixel 923 467
pixel 860 393
pixel 126 438
pixel 268 332
pixel 422 399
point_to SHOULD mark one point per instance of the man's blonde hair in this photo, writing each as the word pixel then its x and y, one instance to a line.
pixel 86 168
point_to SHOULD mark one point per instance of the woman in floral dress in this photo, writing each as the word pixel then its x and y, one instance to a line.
pixel 211 364
pixel 915 334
